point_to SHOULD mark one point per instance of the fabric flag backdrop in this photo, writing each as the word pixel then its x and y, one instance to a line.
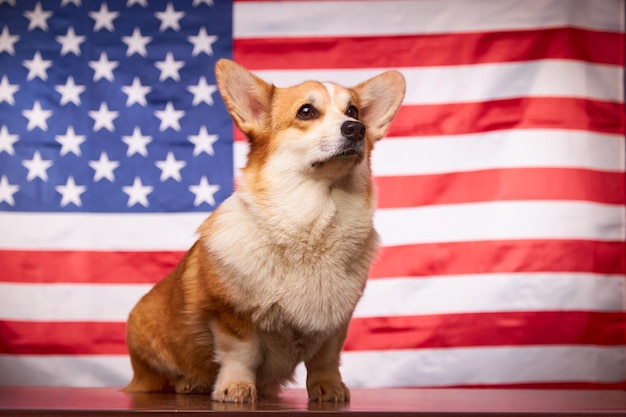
pixel 501 186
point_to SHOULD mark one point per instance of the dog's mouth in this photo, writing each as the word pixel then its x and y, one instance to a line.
pixel 350 153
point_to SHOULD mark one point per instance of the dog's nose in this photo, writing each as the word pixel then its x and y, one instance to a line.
pixel 353 130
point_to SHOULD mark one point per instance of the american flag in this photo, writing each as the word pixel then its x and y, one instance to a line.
pixel 501 185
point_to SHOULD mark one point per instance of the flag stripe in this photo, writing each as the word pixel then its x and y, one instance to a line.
pixel 487 329
pixel 410 156
pixel 500 256
pixel 142 267
pixel 432 50
pixel 402 296
pixel 491 292
pixel 500 220
pixel 498 149
pixel 432 224
pixel 501 185
pixel 63 338
pixel 403 332
pixel 487 365
pixel 513 113
pixel 492 81
pixel 392 17
pixel 394 368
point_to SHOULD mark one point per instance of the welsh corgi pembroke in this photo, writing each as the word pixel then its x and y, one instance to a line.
pixel 279 266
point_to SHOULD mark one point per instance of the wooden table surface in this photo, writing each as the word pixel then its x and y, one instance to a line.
pixel 55 401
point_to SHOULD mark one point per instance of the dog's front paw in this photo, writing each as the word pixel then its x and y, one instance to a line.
pixel 235 392
pixel 328 391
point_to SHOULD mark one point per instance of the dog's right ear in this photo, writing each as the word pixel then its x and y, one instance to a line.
pixel 247 97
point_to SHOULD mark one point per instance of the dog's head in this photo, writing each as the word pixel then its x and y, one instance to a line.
pixel 321 130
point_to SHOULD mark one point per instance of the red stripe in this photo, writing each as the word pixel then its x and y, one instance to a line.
pixel 382 333
pixel 513 113
pixel 396 261
pixel 487 329
pixel 502 185
pixel 86 267
pixel 62 338
pixel 507 256
pixel 429 50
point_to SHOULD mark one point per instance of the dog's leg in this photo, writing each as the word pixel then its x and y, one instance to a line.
pixel 239 357
pixel 323 380
pixel 145 378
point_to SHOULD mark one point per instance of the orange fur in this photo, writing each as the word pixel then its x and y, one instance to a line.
pixel 279 267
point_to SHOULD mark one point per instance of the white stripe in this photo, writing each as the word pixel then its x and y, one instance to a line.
pixel 517 148
pixel 501 220
pixel 484 365
pixel 383 297
pixel 62 370
pixel 99 231
pixel 480 82
pixel 69 302
pixel 372 369
pixel 481 293
pixel 349 18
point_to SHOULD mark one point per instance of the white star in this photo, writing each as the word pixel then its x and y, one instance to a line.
pixel 202 42
pixel 7 40
pixel 70 92
pixel 104 168
pixel 9 2
pixel 137 193
pixel 70 142
pixel 136 93
pixel 70 42
pixel 7 140
pixel 38 18
pixel 7 90
pixel 70 192
pixel 7 190
pixel 103 18
pixel 137 143
pixel 169 117
pixel 37 167
pixel 103 118
pixel 205 192
pixel 103 68
pixel 37 67
pixel 207 2
pixel 169 68
pixel 142 3
pixel 202 92
pixel 37 117
pixel 74 2
pixel 203 142
pixel 136 43
pixel 170 167
pixel 169 18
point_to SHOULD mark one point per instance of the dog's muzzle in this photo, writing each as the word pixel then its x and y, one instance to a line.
pixel 353 130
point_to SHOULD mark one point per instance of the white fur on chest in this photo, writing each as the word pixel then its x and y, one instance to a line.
pixel 285 274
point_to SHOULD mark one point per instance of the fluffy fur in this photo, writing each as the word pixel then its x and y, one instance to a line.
pixel 278 268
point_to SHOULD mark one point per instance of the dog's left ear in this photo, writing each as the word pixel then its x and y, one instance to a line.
pixel 379 99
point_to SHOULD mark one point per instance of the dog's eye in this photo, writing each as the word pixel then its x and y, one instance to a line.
pixel 307 112
pixel 352 112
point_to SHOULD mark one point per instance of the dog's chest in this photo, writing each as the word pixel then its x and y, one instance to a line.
pixel 311 283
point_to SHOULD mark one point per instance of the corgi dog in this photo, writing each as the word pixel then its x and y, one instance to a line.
pixel 279 266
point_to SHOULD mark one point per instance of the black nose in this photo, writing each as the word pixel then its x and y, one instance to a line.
pixel 352 130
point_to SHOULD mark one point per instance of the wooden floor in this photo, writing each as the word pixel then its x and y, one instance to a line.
pixel 51 401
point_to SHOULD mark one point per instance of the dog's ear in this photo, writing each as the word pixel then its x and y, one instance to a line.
pixel 379 99
pixel 247 97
